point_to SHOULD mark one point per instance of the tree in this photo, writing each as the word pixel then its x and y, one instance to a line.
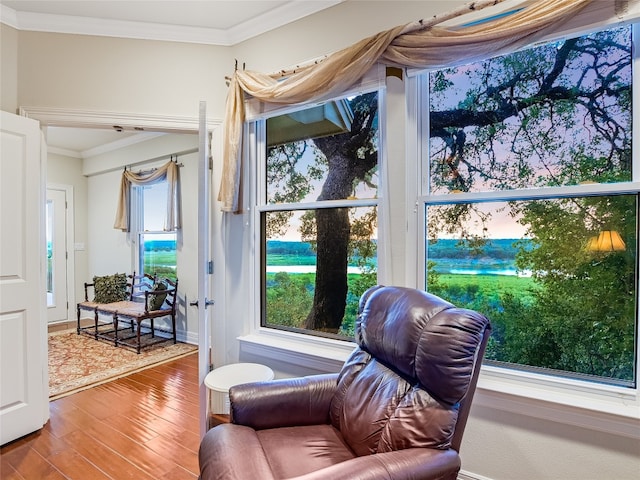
pixel 521 107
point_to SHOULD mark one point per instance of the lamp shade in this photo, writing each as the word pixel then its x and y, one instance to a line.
pixel 606 241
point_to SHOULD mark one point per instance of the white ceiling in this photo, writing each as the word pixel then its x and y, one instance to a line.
pixel 88 142
pixel 214 22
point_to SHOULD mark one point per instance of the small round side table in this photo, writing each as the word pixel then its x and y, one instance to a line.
pixel 221 379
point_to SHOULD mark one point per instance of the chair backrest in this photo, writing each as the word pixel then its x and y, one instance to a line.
pixel 139 284
pixel 410 381
pixel 163 296
pixel 172 293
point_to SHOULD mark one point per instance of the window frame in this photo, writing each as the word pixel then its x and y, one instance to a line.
pixel 608 408
pixel 315 352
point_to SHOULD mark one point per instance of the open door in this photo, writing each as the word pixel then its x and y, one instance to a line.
pixel 24 405
pixel 57 255
pixel 205 265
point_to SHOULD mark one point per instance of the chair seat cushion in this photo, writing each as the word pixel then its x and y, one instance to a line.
pixel 88 305
pixel 128 308
pixel 231 451
pixel 294 451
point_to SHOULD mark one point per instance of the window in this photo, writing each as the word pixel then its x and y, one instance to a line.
pixel 531 204
pixel 156 253
pixel 318 215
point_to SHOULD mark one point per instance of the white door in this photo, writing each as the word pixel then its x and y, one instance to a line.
pixel 56 227
pixel 204 265
pixel 24 405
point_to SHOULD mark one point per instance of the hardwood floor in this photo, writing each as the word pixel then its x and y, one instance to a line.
pixel 143 427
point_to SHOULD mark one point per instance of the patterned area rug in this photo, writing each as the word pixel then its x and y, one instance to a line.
pixel 78 362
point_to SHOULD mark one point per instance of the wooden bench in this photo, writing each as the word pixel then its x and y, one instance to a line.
pixel 135 285
pixel 137 310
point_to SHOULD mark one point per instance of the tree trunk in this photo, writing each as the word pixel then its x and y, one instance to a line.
pixel 330 292
pixel 349 157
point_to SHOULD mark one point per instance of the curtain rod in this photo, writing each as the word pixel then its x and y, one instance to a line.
pixel 418 25
pixel 153 169
pixel 142 162
pixel 162 157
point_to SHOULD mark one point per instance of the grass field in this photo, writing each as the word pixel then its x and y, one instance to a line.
pixel 277 259
pixel 161 262
pixel 491 284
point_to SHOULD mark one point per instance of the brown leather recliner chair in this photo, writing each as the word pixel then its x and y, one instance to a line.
pixel 397 410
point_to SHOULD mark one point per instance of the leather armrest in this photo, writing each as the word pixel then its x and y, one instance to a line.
pixel 423 463
pixel 284 402
pixel 232 452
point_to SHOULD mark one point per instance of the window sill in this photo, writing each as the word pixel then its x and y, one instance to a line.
pixel 612 410
pixel 322 354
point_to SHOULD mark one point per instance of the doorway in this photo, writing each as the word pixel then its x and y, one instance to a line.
pixel 60 265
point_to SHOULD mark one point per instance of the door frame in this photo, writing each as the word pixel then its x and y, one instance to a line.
pixel 60 117
pixel 70 263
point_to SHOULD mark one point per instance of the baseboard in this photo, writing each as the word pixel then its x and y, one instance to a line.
pixel 464 475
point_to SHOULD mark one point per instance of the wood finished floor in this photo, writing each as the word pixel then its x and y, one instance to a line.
pixel 143 427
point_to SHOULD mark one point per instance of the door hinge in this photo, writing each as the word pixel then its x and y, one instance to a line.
pixel 210 267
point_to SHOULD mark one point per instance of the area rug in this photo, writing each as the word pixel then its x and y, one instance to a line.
pixel 78 362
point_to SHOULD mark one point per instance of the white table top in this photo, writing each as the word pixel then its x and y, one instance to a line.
pixel 223 378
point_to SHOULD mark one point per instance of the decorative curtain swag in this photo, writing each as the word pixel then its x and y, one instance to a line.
pixel 419 44
pixel 169 172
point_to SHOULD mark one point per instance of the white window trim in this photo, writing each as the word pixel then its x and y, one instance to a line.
pixel 605 408
pixel 305 350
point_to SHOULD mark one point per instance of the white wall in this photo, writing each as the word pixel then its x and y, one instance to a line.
pixel 147 77
pixel 119 75
pixel 9 70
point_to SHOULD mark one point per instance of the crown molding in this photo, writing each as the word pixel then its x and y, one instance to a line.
pixel 62 117
pixel 41 22
pixel 64 152
pixel 276 18
pixel 118 144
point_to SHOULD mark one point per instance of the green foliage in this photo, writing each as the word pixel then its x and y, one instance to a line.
pixel 290 298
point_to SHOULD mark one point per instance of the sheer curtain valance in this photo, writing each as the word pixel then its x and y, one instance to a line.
pixel 169 172
pixel 419 44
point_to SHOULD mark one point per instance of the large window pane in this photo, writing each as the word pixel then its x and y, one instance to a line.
pixel 557 278
pixel 556 273
pixel 303 262
pixel 158 254
pixel 326 152
pixel 557 114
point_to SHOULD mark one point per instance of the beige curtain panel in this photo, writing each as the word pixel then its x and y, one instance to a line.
pixel 420 44
pixel 169 172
